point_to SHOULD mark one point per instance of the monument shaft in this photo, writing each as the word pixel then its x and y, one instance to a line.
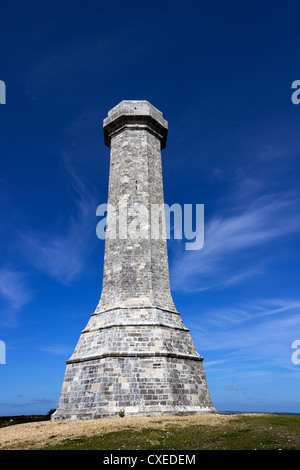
pixel 135 354
pixel 136 267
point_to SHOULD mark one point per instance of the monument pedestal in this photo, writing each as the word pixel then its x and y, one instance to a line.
pixel 140 361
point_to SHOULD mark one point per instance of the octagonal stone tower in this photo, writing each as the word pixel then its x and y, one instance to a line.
pixel 135 353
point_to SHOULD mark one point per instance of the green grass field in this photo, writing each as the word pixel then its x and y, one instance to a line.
pixel 261 432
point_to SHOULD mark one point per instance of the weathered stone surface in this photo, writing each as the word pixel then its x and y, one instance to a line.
pixel 135 353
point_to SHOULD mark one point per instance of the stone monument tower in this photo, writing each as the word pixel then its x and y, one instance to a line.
pixel 135 354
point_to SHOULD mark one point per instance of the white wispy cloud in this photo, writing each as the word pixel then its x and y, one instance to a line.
pixel 62 254
pixel 229 317
pixel 231 388
pixel 37 401
pixel 235 231
pixel 58 349
pixel 250 337
pixel 14 289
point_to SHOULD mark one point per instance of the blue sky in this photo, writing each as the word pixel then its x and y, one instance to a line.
pixel 221 73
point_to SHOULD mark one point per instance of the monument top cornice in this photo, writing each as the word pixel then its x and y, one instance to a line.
pixel 135 114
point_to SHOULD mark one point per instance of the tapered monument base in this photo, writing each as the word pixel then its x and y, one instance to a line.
pixel 113 386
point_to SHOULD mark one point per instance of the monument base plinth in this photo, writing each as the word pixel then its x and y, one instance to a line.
pixel 136 385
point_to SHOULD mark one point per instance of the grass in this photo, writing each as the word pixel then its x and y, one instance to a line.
pixel 244 432
pixel 266 432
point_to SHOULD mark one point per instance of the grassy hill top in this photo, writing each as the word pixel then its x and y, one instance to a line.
pixel 193 432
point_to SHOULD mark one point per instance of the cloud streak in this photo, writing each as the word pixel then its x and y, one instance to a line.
pixel 37 401
pixel 58 349
pixel 14 289
pixel 252 338
pixel 237 232
pixel 231 388
pixel 63 255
